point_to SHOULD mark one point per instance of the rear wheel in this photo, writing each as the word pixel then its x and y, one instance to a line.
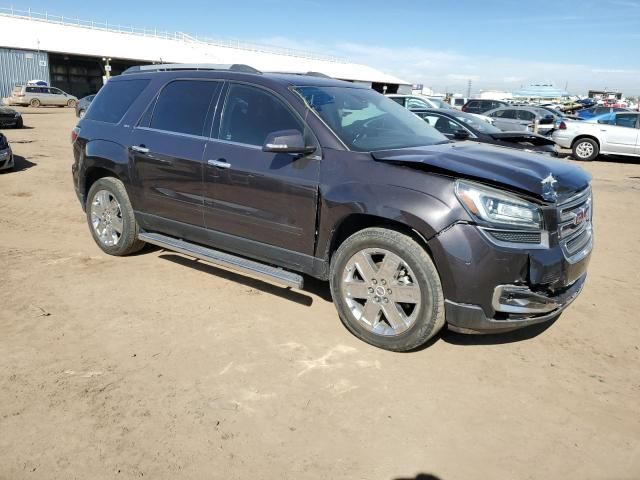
pixel 585 149
pixel 111 219
pixel 387 290
pixel 34 103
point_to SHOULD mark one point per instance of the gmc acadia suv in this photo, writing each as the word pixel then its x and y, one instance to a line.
pixel 280 175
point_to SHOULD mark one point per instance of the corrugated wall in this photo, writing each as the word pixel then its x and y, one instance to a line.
pixel 20 66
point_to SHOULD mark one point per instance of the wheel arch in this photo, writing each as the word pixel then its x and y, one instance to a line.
pixel 356 222
pixel 586 135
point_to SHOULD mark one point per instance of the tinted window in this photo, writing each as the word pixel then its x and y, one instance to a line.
pixel 626 120
pixel 399 100
pixel 183 105
pixel 55 91
pixel 526 115
pixel 473 104
pixel 34 90
pixel 509 114
pixel 114 100
pixel 250 114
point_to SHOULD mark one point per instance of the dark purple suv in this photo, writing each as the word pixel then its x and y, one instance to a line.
pixel 285 175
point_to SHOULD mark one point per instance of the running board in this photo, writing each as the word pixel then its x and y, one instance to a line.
pixel 223 259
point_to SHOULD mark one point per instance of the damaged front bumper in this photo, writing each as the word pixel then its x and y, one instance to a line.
pixel 518 307
pixel 490 288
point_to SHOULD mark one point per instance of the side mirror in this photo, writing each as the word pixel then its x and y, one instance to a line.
pixel 286 141
pixel 460 134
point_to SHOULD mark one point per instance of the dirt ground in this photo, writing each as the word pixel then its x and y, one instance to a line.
pixel 161 367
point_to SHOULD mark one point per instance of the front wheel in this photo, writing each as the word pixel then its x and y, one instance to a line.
pixel 71 103
pixel 387 290
pixel 585 149
pixel 111 219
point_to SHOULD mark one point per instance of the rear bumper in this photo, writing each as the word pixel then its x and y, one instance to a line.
pixel 561 140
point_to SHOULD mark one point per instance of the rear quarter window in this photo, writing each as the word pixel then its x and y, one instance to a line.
pixel 115 99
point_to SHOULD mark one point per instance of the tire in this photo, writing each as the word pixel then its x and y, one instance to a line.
pixel 419 318
pixel 101 214
pixel 35 103
pixel 71 103
pixel 585 149
pixel 19 123
pixel 81 113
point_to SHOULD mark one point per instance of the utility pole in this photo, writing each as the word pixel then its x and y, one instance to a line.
pixel 469 89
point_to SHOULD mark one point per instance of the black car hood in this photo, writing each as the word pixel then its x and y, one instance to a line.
pixel 532 138
pixel 6 110
pixel 537 175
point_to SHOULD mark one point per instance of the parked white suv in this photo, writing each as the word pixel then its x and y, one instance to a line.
pixel 36 96
pixel 616 133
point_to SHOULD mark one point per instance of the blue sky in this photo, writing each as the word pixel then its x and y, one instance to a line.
pixel 440 43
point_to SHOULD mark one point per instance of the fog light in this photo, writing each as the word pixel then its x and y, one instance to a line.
pixel 520 299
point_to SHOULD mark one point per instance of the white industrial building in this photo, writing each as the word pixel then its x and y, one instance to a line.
pixel 68 53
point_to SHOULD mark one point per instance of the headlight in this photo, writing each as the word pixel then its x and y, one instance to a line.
pixel 491 207
pixel 17 114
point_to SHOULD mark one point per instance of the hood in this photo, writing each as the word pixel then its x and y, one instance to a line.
pixel 543 177
pixel 7 110
pixel 532 138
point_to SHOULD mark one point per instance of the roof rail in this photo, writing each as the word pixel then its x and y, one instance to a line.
pixel 166 67
pixel 307 74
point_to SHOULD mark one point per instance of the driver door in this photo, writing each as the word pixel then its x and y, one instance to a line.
pixel 266 198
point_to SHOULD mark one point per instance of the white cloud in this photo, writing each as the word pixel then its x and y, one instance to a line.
pixel 450 71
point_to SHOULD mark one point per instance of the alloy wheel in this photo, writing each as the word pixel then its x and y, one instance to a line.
pixel 381 291
pixel 106 218
pixel 584 150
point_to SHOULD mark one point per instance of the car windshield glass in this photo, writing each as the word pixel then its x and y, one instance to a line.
pixel 367 121
pixel 476 122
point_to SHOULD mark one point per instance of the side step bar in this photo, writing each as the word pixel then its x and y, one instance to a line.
pixel 227 260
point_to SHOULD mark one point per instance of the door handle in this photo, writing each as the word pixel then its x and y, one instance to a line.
pixel 140 149
pixel 603 129
pixel 219 163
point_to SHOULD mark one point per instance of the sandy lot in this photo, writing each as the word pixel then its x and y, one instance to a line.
pixel 161 367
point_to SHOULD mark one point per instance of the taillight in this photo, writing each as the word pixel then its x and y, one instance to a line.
pixel 464 108
pixel 74 134
pixel 20 95
pixel 562 126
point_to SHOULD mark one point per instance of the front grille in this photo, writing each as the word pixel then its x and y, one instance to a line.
pixel 516 237
pixel 574 225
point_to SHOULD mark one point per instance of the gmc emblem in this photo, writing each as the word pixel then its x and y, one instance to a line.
pixel 581 215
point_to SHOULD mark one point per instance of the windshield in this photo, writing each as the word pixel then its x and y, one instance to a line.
pixel 367 121
pixel 476 122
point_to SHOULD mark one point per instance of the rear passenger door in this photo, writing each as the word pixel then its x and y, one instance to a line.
pixel 258 202
pixel 507 120
pixel 167 149
pixel 622 136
